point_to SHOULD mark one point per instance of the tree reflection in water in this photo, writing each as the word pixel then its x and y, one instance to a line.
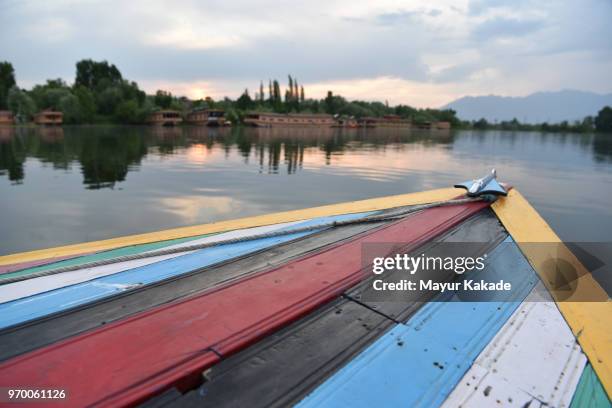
pixel 106 154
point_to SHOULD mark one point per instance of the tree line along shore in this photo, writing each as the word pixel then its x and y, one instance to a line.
pixel 100 94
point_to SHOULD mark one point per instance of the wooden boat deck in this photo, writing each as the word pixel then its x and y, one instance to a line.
pixel 194 328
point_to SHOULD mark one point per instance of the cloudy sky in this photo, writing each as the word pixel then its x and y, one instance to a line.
pixel 424 53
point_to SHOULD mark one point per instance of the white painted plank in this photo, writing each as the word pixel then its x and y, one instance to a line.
pixel 533 361
pixel 42 284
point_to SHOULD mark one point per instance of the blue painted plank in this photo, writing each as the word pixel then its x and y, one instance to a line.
pixel 32 307
pixel 418 363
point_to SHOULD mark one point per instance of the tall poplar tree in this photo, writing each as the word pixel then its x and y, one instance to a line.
pixel 277 93
pixel 7 81
pixel 261 91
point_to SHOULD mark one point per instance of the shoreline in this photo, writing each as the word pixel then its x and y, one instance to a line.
pixel 244 126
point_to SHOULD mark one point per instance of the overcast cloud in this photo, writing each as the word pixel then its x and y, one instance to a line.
pixel 420 53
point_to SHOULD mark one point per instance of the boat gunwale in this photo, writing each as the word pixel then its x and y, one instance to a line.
pixel 589 321
pixel 351 207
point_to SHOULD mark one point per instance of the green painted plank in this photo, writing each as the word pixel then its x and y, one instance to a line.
pixel 590 393
pixel 100 256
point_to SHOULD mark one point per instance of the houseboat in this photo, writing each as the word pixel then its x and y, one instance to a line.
pixel 441 125
pixel 268 119
pixel 368 122
pixel 393 121
pixel 207 117
pixel 7 118
pixel 344 122
pixel 165 117
pixel 49 117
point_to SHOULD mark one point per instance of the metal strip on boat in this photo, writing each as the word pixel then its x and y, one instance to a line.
pixel 36 306
pixel 374 204
pixel 33 286
pixel 53 263
pixel 152 351
pixel 272 372
pixel 10 268
pixel 31 335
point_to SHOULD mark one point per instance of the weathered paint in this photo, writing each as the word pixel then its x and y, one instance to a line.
pixel 483 232
pixel 590 392
pixel 279 370
pixel 152 351
pixel 420 362
pixel 42 304
pixel 590 320
pixel 249 222
pixel 20 339
pixel 534 360
pixel 32 264
pixel 33 286
pixel 54 263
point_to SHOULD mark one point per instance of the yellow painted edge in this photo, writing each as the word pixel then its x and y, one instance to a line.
pixel 222 226
pixel 591 322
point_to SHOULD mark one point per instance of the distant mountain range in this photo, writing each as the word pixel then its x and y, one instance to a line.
pixel 539 107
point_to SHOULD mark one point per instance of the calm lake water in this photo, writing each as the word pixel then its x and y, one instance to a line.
pixel 75 184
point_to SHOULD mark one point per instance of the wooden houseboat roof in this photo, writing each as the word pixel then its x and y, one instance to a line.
pixel 49 112
pixel 292 115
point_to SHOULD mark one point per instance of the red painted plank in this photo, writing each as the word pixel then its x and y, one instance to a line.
pixel 128 361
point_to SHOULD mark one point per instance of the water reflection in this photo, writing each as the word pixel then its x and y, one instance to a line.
pixel 106 154
pixel 602 147
pixel 74 184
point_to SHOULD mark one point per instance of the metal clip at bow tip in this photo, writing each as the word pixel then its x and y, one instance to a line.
pixel 482 186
